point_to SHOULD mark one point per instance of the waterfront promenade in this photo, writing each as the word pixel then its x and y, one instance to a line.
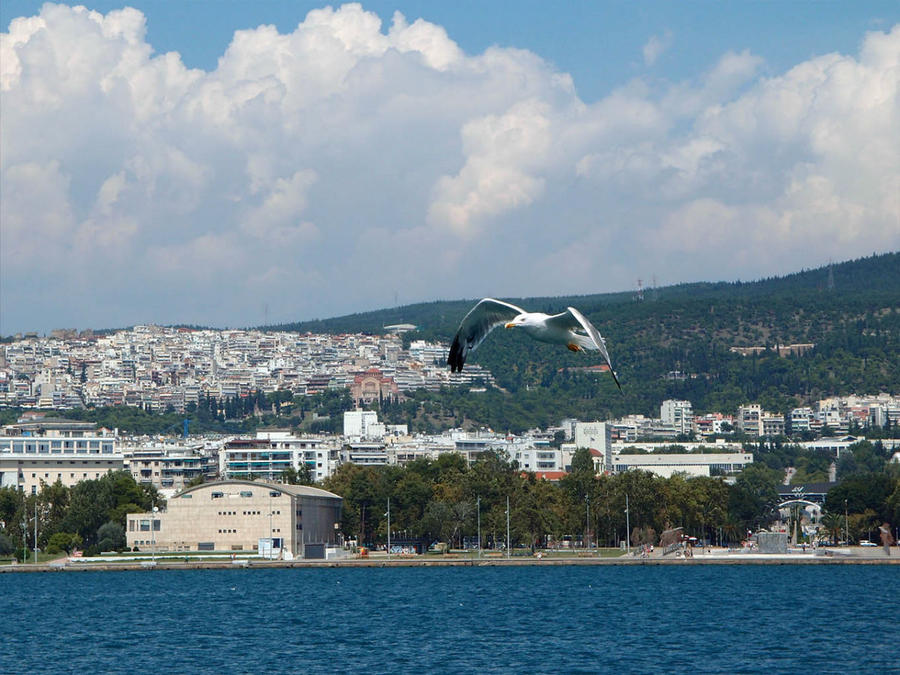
pixel 853 555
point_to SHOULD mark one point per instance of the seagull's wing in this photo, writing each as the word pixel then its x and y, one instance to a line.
pixel 481 320
pixel 573 320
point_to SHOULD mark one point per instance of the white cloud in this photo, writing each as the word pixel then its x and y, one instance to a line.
pixel 326 168
pixel 655 46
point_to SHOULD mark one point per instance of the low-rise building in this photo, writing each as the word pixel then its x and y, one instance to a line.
pixel 285 521
pixel 693 463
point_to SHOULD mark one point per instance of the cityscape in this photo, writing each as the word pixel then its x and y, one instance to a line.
pixel 400 336
pixel 172 370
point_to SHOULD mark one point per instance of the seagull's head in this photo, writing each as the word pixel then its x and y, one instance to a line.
pixel 521 320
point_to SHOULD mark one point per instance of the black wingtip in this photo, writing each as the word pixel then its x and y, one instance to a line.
pixel 455 359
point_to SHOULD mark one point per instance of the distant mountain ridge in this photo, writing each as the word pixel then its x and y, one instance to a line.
pixel 677 343
pixel 879 273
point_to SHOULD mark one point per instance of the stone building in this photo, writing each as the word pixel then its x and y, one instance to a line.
pixel 285 521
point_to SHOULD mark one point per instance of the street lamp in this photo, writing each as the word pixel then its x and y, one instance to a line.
pixel 507 527
pixel 627 526
pixel 846 526
pixel 478 510
pixel 153 534
pixel 587 522
pixel 388 514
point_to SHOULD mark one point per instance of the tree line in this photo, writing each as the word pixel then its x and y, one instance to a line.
pixel 444 500
pixel 89 516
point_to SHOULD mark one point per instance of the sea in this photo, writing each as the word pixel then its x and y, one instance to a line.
pixel 536 619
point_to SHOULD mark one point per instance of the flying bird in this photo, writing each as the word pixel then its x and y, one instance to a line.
pixel 558 329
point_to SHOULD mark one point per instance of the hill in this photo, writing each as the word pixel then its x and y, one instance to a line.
pixel 677 342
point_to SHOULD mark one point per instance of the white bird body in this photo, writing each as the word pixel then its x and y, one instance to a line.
pixel 559 329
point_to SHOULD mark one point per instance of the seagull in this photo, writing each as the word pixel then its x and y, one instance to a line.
pixel 558 329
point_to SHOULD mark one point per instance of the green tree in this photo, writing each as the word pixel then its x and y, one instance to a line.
pixel 111 537
pixel 63 541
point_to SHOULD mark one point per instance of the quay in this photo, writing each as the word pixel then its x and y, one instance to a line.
pixel 452 561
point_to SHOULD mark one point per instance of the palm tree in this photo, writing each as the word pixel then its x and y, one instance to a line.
pixel 833 523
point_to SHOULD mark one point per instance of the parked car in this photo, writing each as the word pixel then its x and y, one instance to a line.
pixel 866 542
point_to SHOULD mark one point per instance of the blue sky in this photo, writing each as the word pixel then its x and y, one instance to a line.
pixel 599 43
pixel 345 160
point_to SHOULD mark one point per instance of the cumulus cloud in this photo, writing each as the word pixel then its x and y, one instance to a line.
pixel 323 170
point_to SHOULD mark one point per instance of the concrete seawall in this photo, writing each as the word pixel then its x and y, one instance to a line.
pixel 451 562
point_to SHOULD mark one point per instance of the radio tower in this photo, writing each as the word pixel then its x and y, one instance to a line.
pixel 830 276
pixel 640 291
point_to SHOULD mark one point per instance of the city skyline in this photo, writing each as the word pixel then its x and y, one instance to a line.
pixel 349 158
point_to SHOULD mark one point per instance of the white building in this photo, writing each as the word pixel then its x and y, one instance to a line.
pixel 363 425
pixel 678 414
pixel 693 464
pixel 273 451
pixel 595 436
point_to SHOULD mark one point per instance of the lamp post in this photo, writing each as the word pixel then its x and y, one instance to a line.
pixel 35 530
pixel 507 527
pixel 478 511
pixel 846 526
pixel 389 529
pixel 153 534
pixel 24 526
pixel 627 526
pixel 587 522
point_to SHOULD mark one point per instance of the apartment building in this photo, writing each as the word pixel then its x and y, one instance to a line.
pixel 273 451
pixel 44 450
pixel 678 414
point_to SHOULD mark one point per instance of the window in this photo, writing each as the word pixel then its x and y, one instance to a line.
pixel 217 495
pixel 246 493
pixel 145 526
pixel 206 546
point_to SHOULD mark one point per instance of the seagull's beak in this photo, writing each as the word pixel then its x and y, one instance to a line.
pixel 510 324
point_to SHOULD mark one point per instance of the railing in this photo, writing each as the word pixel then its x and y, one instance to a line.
pixel 676 546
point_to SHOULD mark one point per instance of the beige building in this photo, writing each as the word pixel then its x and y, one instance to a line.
pixel 45 449
pixel 239 515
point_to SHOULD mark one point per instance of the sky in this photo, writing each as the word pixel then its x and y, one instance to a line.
pixel 236 164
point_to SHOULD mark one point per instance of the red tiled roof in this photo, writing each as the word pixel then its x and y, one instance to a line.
pixel 550 475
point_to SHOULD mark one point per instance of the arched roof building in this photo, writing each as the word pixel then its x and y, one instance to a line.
pixel 239 515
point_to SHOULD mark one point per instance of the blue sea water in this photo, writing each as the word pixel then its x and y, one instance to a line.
pixel 736 619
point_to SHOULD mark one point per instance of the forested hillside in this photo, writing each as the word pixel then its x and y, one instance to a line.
pixel 676 343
